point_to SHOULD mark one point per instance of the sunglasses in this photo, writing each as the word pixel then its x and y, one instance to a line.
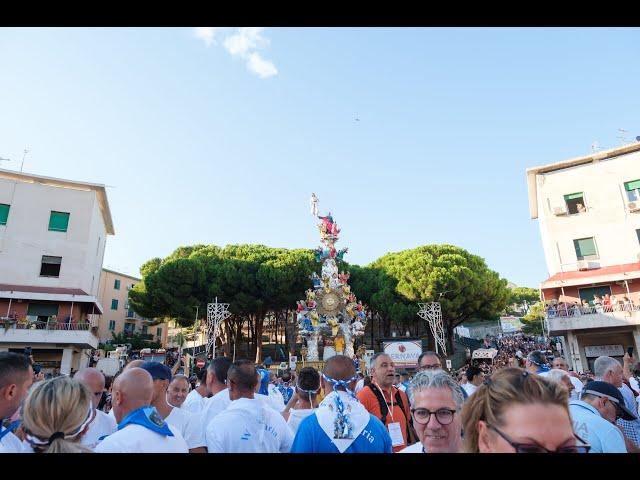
pixel 582 447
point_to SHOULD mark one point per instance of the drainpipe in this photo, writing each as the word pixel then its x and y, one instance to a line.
pixel 9 309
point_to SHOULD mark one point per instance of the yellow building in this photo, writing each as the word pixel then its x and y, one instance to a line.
pixel 118 316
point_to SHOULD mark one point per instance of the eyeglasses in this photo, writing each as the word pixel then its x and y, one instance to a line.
pixel 583 447
pixel 444 416
pixel 430 367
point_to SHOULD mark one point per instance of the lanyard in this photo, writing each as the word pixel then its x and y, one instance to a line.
pixel 10 428
pixel 382 392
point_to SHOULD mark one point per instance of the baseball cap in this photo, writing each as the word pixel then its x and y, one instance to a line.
pixel 604 389
pixel 158 370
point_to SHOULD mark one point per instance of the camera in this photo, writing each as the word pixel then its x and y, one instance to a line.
pixel 630 351
pixel 37 368
pixel 27 351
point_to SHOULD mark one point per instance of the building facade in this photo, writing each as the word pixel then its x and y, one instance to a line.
pixel 588 211
pixel 52 241
pixel 118 317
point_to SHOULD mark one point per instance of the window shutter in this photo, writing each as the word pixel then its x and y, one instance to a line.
pixel 573 196
pixel 632 185
pixel 584 247
pixel 4 213
pixel 59 221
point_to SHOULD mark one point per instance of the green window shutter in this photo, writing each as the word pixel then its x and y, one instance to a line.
pixel 4 213
pixel 58 222
pixel 632 185
pixel 584 247
pixel 116 285
pixel 159 332
pixel 573 196
pixel 114 304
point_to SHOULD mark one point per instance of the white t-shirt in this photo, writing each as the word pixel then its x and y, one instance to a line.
pixel 359 385
pixel 296 416
pixel 214 406
pixel 194 402
pixel 577 387
pixel 270 401
pixel 415 448
pixel 189 425
pixel 276 398
pixel 248 426
pixel 102 425
pixel 470 388
pixel 10 443
pixel 138 439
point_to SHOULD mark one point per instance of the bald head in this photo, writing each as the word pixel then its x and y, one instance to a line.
pixel 133 364
pixel 339 367
pixel 93 379
pixel 131 390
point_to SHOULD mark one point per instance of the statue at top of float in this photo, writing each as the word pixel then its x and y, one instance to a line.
pixel 330 315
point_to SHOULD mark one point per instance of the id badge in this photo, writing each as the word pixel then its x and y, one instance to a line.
pixel 395 432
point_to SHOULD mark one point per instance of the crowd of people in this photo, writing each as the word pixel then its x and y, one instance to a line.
pixel 534 406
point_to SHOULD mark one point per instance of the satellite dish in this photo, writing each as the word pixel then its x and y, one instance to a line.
pixel 638 139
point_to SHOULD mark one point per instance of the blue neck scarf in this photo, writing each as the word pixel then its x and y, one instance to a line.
pixel 147 417
pixel 10 428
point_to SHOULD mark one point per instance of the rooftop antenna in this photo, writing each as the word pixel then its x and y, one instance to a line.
pixel 26 150
pixel 595 146
pixel 5 159
pixel 622 136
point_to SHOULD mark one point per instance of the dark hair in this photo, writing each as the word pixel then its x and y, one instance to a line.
pixel 428 353
pixel 220 368
pixel 244 374
pixel 12 367
pixel 309 379
pixel 472 372
pixel 202 375
pixel 537 357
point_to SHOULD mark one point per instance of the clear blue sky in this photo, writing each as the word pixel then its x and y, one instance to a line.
pixel 220 137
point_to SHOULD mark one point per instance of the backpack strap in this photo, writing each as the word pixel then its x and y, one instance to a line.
pixel 384 408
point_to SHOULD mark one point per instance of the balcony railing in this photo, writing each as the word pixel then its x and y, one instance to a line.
pixel 8 322
pixel 565 310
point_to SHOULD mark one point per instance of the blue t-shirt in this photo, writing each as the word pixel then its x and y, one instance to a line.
pixel 602 435
pixel 310 438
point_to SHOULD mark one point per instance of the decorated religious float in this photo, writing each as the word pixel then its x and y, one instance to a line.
pixel 330 318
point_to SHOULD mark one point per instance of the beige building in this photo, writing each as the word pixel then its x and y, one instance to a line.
pixel 52 241
pixel 118 316
pixel 588 210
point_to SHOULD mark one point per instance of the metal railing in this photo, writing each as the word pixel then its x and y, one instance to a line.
pixel 8 322
pixel 564 310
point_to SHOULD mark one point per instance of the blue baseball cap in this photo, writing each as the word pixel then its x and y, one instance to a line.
pixel 158 371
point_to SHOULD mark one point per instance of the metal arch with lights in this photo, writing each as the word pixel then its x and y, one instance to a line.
pixel 216 313
pixel 432 313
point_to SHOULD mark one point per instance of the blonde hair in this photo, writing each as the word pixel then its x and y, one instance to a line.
pixel 505 388
pixel 55 415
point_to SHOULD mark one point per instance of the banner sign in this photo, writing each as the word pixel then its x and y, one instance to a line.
pixel 403 353
pixel 604 350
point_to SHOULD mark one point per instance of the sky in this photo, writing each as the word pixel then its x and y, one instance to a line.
pixel 409 136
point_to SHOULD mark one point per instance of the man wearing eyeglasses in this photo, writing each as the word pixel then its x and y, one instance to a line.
pixel 429 361
pixel 594 417
pixel 103 424
pixel 437 401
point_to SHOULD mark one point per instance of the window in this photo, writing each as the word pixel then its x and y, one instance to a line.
pixel 114 304
pixel 4 213
pixel 112 325
pixel 159 332
pixel 50 266
pixel 116 284
pixel 129 327
pixel 144 329
pixel 58 222
pixel 633 190
pixel 585 248
pixel 638 234
pixel 575 203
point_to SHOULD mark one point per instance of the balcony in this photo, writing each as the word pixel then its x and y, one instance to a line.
pixel 80 334
pixel 131 315
pixel 565 317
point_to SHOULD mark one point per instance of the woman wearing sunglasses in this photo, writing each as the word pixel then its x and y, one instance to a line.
pixel 515 411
